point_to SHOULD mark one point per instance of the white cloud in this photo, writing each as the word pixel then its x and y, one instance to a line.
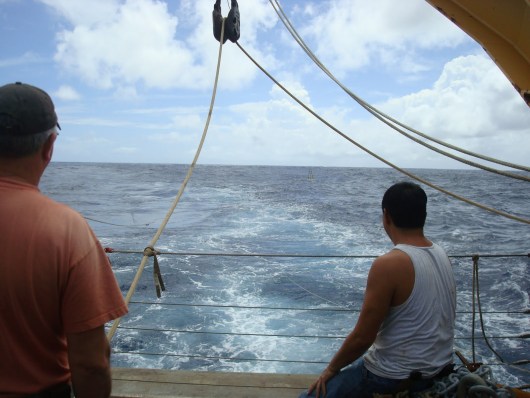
pixel 294 86
pixel 137 48
pixel 134 43
pixel 80 12
pixel 172 138
pixel 354 33
pixel 127 150
pixel 140 42
pixel 471 105
pixel 470 98
pixel 24 59
pixel 67 93
pixel 126 93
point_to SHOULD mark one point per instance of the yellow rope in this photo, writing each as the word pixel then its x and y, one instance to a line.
pixel 403 171
pixel 179 194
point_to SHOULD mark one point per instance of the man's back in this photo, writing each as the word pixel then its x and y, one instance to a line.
pixel 57 289
pixel 52 282
pixel 406 321
pixel 418 334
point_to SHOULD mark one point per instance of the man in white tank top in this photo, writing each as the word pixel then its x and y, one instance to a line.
pixel 406 324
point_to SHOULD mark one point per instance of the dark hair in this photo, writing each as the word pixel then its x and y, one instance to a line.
pixel 17 146
pixel 27 119
pixel 406 203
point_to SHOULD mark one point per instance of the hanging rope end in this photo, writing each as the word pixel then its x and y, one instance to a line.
pixel 150 251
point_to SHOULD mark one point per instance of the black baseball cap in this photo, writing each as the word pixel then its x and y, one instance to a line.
pixel 25 110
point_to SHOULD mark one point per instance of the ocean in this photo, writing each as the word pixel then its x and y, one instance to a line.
pixel 265 267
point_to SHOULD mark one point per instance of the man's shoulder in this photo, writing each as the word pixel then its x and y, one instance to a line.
pixel 393 264
pixel 32 202
pixel 392 257
pixel 58 216
pixel 59 207
pixel 394 272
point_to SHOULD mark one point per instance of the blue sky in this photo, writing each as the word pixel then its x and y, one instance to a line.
pixel 132 82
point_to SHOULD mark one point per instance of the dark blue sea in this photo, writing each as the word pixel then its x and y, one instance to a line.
pixel 294 246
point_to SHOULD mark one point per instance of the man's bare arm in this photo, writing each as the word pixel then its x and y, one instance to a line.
pixel 380 288
pixel 89 357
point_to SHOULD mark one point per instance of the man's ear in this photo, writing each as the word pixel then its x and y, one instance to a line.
pixel 47 148
pixel 386 217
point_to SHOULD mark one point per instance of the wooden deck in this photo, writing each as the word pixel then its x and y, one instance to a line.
pixel 147 383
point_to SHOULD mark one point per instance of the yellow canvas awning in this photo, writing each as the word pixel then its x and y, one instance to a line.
pixel 502 28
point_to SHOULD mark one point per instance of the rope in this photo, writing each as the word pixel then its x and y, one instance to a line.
pixel 413 176
pixel 298 336
pixel 225 358
pixel 179 194
pixel 110 250
pixel 310 292
pixel 475 259
pixel 317 309
pixel 248 307
pixel 295 255
pixel 242 359
pixel 384 117
pixel 301 336
pixel 477 291
pixel 157 275
pixel 116 225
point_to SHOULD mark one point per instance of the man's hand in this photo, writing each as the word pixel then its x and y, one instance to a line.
pixel 319 386
pixel 89 357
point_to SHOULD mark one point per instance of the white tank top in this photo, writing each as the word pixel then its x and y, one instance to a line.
pixel 418 334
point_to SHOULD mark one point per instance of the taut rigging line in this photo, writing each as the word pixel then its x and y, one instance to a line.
pixel 391 122
pixel 403 171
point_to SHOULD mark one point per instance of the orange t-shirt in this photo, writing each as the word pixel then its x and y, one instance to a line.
pixel 54 279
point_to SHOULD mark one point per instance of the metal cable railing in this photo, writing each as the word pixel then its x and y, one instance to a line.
pixel 327 309
pixel 297 255
pixel 299 336
pixel 244 334
pixel 253 359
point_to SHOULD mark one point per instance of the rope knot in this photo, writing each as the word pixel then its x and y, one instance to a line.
pixel 150 251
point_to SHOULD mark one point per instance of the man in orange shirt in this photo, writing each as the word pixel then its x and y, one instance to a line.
pixel 57 289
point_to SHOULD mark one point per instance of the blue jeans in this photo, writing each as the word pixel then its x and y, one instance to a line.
pixel 355 381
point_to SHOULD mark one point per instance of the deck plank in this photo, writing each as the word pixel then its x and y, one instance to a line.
pixel 156 383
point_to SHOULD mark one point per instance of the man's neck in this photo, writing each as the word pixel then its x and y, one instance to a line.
pixel 25 169
pixel 413 237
